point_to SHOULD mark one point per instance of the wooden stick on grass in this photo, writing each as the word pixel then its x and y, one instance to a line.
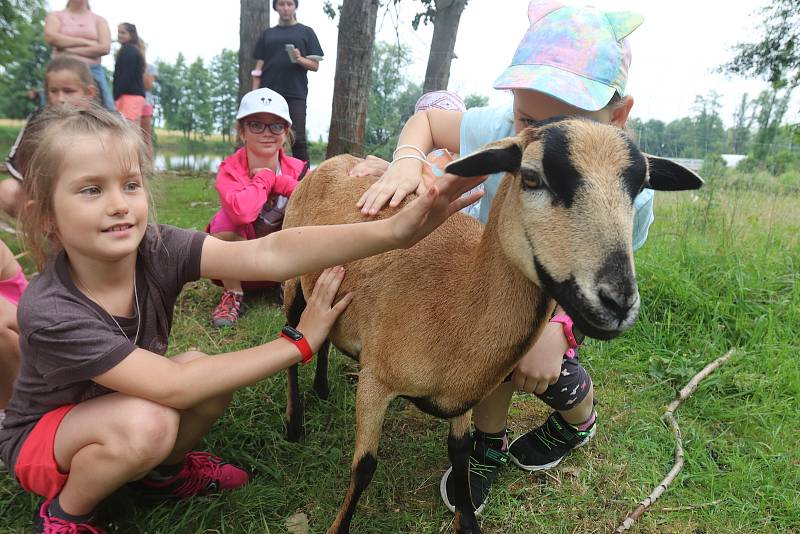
pixel 669 417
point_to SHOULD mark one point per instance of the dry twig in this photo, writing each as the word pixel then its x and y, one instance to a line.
pixel 669 417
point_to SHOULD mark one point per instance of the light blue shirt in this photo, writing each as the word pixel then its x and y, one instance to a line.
pixel 480 126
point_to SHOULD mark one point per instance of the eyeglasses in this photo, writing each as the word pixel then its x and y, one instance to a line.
pixel 257 127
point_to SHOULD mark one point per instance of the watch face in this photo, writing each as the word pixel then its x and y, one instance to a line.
pixel 292 333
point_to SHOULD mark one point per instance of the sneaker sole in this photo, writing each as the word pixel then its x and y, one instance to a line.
pixel 443 493
pixel 534 468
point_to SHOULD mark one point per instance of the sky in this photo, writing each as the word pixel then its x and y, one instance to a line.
pixel 675 51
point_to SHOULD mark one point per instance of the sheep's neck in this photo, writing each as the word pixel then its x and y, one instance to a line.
pixel 509 308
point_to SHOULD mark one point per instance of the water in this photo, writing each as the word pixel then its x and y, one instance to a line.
pixel 173 161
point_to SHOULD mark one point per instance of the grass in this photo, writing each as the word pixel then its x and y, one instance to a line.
pixel 720 269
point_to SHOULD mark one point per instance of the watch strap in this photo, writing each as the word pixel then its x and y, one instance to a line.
pixel 302 344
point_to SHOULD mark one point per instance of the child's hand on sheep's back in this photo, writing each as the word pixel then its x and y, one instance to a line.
pixel 401 178
pixel 433 206
pixel 320 313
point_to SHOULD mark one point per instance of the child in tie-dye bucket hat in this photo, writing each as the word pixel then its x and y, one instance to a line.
pixel 571 61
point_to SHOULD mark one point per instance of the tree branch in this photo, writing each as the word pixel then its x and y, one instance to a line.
pixel 669 417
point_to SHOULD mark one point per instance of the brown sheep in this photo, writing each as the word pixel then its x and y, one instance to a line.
pixel 444 322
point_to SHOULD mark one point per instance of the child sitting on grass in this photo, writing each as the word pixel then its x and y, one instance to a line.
pixel 253 184
pixel 97 405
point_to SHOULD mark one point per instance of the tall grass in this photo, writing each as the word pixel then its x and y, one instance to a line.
pixel 720 269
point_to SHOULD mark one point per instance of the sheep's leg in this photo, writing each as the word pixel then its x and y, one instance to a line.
pixel 293 295
pixel 459 448
pixel 294 407
pixel 372 400
pixel 321 375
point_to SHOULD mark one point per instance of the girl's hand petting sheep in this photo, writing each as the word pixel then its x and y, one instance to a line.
pixel 320 313
pixel 399 180
pixel 433 206
pixel 541 365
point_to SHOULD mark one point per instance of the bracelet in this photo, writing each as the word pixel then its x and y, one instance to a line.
pixel 409 156
pixel 566 322
pixel 421 153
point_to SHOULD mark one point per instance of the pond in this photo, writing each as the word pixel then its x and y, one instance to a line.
pixel 183 162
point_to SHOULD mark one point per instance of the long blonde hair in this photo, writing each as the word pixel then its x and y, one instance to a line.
pixel 50 136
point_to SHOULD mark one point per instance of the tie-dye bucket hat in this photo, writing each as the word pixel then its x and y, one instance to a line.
pixel 576 54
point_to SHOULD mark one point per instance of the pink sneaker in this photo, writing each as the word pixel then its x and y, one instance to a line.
pixel 230 308
pixel 45 524
pixel 202 474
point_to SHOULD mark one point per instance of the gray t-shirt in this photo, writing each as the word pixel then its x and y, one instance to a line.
pixel 66 339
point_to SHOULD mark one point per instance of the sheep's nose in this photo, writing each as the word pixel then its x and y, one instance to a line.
pixel 616 288
pixel 620 304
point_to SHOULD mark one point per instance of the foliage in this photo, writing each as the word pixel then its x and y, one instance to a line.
pixel 224 90
pixel 777 55
pixel 709 280
pixel 23 54
pixel 195 99
pixel 476 101
pixel 391 99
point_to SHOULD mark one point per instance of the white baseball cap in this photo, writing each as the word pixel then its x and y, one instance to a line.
pixel 264 101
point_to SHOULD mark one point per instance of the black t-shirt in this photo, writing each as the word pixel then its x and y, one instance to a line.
pixel 128 72
pixel 288 79
pixel 66 339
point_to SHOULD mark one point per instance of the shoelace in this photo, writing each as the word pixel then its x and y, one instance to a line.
pixel 547 438
pixel 199 470
pixel 56 525
pixel 228 306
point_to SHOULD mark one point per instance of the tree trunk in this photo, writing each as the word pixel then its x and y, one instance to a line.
pixel 253 20
pixel 445 29
pixel 352 81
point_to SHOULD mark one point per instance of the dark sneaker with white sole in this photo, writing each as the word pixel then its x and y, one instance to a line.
pixel 489 454
pixel 544 447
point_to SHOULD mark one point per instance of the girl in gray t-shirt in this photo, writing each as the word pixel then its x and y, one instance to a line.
pixel 96 405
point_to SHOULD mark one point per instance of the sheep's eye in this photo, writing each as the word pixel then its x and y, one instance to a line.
pixel 531 178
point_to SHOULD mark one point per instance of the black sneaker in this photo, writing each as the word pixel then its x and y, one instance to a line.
pixel 547 445
pixel 489 454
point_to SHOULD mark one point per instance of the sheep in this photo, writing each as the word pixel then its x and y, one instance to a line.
pixel 444 322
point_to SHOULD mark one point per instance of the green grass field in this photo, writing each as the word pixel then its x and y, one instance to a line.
pixel 720 269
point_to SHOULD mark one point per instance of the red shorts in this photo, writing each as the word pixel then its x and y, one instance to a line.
pixel 37 470
pixel 147 110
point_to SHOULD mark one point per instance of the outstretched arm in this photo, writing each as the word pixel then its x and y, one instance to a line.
pixel 294 251
pixel 183 384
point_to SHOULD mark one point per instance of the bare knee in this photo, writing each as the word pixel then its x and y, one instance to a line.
pixel 10 195
pixel 149 432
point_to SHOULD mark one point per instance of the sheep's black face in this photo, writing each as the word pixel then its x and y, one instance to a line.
pixel 566 216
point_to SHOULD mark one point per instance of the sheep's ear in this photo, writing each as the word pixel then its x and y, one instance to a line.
pixel 666 175
pixel 503 156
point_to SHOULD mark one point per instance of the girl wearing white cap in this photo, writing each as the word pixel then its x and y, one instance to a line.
pixel 571 61
pixel 252 183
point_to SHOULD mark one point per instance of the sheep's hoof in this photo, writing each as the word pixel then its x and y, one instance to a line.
pixel 466 525
pixel 294 432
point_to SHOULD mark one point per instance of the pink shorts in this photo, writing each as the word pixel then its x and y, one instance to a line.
pixel 220 222
pixel 131 106
pixel 147 110
pixel 37 470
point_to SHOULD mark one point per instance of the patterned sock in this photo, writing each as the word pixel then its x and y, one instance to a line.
pixel 496 440
pixel 55 510
pixel 586 425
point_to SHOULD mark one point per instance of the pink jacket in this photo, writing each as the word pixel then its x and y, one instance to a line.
pixel 243 197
